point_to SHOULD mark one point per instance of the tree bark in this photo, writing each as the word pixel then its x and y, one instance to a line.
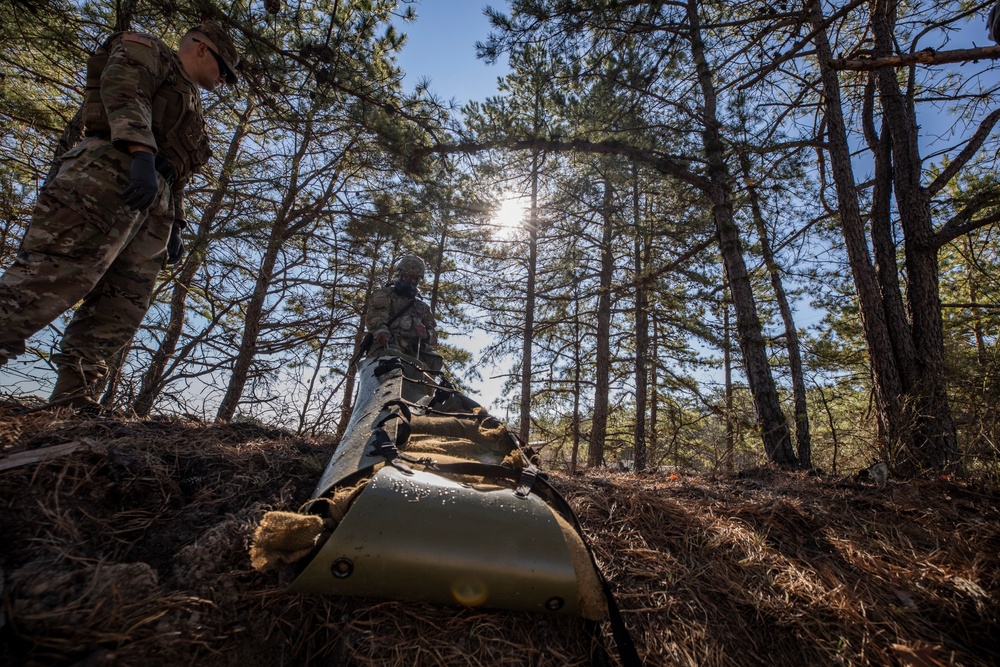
pixel 524 430
pixel 641 256
pixel 803 446
pixel 252 317
pixel 654 395
pixel 727 360
pixel 925 57
pixel 602 377
pixel 347 401
pixel 577 384
pixel 155 376
pixel 770 419
pixel 883 245
pixel 886 384
pixel 933 442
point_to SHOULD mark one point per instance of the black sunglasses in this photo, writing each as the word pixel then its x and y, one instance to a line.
pixel 223 70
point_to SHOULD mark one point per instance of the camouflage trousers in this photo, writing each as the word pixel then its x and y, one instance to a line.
pixel 408 345
pixel 84 243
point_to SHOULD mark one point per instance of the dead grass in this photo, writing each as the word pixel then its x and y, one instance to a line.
pixel 133 551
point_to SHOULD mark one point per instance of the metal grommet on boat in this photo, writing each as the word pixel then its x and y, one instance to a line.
pixel 342 568
pixel 554 603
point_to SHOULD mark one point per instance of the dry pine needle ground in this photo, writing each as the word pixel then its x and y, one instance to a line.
pixel 129 547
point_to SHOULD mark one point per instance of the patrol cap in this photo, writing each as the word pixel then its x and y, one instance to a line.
pixel 218 41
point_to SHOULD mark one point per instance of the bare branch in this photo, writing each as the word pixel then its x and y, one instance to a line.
pixel 985 306
pixel 925 57
pixel 973 145
pixel 962 222
pixel 666 164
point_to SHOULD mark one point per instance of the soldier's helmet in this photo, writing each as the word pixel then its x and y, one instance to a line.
pixel 219 42
pixel 411 267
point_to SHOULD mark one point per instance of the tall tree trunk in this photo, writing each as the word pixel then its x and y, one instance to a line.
pixel 833 429
pixel 886 383
pixel 154 378
pixel 641 326
pixel 770 418
pixel 977 322
pixel 347 401
pixel 252 320
pixel 524 430
pixel 602 378
pixel 577 384
pixel 347 398
pixel 654 395
pixel 254 313
pixel 883 244
pixel 442 243
pixel 932 442
pixel 803 447
pixel 727 361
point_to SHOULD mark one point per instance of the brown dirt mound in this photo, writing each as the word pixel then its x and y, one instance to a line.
pixel 129 546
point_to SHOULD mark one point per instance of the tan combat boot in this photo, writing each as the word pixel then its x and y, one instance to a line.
pixel 75 388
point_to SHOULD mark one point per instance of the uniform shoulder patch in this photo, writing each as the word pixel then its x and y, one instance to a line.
pixel 144 50
pixel 138 39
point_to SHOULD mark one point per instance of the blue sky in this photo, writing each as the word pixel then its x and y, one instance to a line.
pixel 441 47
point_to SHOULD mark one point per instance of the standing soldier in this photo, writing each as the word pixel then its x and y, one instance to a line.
pixel 398 317
pixel 112 215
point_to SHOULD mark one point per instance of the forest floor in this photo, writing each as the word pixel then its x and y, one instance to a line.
pixel 129 546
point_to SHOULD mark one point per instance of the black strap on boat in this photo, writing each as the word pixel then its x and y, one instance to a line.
pixel 526 482
pixel 524 478
pixel 427 411
pixel 387 364
pixel 623 638
pixel 402 415
pixel 382 445
pixel 529 478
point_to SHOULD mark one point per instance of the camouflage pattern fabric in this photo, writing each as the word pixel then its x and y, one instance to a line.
pixel 384 304
pixel 149 99
pixel 83 243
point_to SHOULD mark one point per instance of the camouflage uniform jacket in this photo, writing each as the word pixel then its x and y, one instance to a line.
pixel 384 304
pixel 149 99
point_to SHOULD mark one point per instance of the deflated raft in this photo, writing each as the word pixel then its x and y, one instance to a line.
pixel 428 498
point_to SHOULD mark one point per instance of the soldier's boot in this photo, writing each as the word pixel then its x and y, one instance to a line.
pixel 75 388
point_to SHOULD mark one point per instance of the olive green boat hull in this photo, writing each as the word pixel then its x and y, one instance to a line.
pixel 422 536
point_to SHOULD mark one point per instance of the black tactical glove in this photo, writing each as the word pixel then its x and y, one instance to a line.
pixel 140 193
pixel 175 244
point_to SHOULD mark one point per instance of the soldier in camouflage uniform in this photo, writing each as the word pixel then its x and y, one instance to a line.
pixel 414 329
pixel 112 215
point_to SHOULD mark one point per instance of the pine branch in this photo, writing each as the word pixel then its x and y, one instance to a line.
pixel 925 57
